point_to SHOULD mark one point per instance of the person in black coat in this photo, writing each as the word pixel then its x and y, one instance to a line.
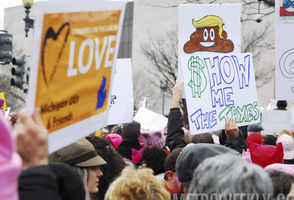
pixel 56 181
pixel 175 134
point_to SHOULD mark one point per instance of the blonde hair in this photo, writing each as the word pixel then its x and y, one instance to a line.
pixel 285 132
pixel 117 129
pixel 210 21
pixel 136 184
pixel 83 172
pixel 188 137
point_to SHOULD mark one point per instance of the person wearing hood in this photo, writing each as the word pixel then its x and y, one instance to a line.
pixel 175 134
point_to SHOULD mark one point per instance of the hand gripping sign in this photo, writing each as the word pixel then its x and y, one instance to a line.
pixel 75 48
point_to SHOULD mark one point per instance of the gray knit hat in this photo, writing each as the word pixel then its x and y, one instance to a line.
pixel 194 154
pixel 254 128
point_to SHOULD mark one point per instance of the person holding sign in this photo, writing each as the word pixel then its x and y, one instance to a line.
pixel 175 134
pixel 30 131
pixel 38 179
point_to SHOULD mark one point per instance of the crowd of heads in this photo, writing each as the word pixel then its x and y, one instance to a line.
pixel 126 161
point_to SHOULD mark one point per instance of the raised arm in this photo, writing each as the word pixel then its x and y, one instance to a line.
pixel 235 139
pixel 175 134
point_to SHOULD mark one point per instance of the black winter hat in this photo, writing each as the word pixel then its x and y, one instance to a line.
pixel 194 154
pixel 131 130
pixel 281 105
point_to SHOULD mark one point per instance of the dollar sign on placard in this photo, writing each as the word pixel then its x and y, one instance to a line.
pixel 198 80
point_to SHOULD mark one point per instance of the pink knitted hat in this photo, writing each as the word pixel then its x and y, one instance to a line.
pixel 255 137
pixel 265 155
pixel 137 155
pixel 10 163
pixel 287 168
pixel 142 140
pixel 154 138
pixel 115 139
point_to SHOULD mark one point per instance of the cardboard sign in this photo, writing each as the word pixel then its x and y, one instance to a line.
pixel 4 105
pixel 122 103
pixel 208 28
pixel 274 121
pixel 74 50
pixel 150 120
pixel 217 87
pixel 284 52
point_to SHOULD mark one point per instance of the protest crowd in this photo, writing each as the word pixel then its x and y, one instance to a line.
pixel 128 162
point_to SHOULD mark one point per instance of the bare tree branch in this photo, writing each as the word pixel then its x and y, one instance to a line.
pixel 161 51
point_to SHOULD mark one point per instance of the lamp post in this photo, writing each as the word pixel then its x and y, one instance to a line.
pixel 29 23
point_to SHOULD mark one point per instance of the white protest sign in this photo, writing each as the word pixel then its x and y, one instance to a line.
pixel 208 28
pixel 284 65
pixel 75 48
pixel 274 121
pixel 150 120
pixel 217 87
pixel 122 103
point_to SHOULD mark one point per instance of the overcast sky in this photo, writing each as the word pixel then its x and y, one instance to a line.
pixel 6 4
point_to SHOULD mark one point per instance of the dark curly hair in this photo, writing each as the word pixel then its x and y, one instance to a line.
pixel 112 169
pixel 282 182
pixel 154 158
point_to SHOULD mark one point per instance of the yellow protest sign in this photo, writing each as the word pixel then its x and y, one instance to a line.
pixel 76 50
pixel 4 105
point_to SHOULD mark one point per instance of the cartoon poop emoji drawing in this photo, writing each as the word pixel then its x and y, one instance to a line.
pixel 209 36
